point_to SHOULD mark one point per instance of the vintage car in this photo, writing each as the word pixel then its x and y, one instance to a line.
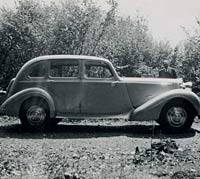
pixel 49 88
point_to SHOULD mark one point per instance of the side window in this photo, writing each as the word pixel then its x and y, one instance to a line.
pixel 38 70
pixel 97 71
pixel 64 69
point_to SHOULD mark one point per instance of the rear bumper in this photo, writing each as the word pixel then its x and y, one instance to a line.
pixel 2 111
pixel 3 97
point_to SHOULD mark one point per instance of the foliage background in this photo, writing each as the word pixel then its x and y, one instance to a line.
pixel 78 27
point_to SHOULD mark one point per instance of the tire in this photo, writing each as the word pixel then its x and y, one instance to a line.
pixel 196 90
pixel 55 121
pixel 34 114
pixel 177 116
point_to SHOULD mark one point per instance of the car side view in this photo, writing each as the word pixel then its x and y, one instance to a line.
pixel 50 88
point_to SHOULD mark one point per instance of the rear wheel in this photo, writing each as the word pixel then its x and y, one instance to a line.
pixel 177 116
pixel 34 114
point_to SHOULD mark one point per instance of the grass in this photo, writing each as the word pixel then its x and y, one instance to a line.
pixel 88 156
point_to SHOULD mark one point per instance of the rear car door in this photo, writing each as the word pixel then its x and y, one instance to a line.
pixel 64 85
pixel 102 93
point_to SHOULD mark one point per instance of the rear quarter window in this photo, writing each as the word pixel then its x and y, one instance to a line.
pixel 37 71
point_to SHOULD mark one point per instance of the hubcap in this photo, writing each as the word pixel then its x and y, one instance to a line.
pixel 176 116
pixel 36 115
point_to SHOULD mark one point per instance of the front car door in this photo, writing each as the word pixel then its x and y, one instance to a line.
pixel 103 94
pixel 64 85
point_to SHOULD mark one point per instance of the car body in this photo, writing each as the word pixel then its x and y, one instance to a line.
pixel 54 87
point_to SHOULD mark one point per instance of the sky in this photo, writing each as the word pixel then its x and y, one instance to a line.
pixel 165 17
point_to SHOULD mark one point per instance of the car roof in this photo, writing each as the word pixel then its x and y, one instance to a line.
pixel 60 57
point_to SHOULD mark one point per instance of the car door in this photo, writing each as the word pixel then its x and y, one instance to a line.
pixel 103 94
pixel 64 86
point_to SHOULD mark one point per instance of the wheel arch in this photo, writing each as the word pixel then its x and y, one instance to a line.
pixel 14 103
pixel 151 110
pixel 182 100
pixel 34 98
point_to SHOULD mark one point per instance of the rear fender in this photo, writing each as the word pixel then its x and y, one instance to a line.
pixel 13 104
pixel 151 109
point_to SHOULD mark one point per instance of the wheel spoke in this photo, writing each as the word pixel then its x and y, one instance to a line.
pixel 176 116
pixel 36 115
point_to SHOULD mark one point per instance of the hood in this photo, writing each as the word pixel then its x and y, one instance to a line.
pixel 152 80
pixel 141 90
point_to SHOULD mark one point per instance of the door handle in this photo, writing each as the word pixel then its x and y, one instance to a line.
pixel 113 84
pixel 50 80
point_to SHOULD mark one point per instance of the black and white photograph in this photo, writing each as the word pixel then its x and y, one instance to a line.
pixel 99 89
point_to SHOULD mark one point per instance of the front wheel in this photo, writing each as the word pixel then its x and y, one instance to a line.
pixel 177 116
pixel 34 114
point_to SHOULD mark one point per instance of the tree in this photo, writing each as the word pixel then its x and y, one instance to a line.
pixel 18 41
pixel 191 60
pixel 76 27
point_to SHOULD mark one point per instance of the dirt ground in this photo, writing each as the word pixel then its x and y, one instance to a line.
pixel 137 151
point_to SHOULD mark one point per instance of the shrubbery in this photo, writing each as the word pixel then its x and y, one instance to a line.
pixel 78 27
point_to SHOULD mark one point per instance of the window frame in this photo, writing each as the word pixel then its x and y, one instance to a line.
pixel 97 63
pixel 64 61
pixel 32 66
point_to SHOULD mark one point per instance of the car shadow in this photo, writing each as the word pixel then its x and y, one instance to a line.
pixel 66 131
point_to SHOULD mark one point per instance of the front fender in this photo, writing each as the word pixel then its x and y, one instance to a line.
pixel 12 105
pixel 151 109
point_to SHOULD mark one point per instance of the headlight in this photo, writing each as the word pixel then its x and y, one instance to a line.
pixel 186 85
